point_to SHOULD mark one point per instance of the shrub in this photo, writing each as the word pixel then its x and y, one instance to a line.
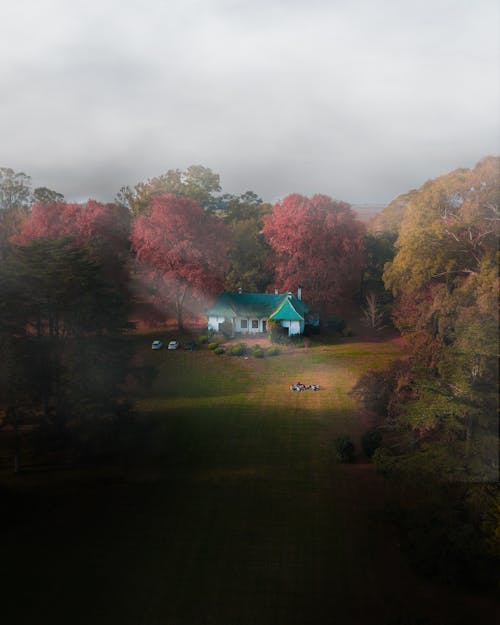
pixel 371 441
pixel 203 339
pixel 344 449
pixel 258 353
pixel 218 350
pixel 212 345
pixel 237 350
pixel 273 351
pixel 275 331
pixel 226 328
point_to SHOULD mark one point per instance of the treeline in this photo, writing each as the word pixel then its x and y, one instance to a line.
pixel 438 409
pixel 182 240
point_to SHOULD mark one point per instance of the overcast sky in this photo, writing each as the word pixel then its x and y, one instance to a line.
pixel 359 99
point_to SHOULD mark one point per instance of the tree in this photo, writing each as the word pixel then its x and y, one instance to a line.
pixel 59 317
pixel 197 182
pixel 102 228
pixel 182 248
pixel 248 267
pixel 43 195
pixel 248 205
pixel 248 256
pixel 449 226
pixel 15 189
pixel 316 243
pixel 379 250
pixel 15 199
pixel 373 315
pixel 439 406
pixel 445 280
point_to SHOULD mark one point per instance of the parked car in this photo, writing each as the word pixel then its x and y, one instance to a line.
pixel 189 346
pixel 173 345
pixel 156 345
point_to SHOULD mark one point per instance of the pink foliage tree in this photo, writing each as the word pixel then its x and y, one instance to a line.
pixel 183 249
pixel 316 243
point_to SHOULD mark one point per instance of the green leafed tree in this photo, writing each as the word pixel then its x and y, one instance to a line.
pixel 248 255
pixel 378 251
pixel 198 183
pixel 15 189
pixel 15 199
pixel 44 195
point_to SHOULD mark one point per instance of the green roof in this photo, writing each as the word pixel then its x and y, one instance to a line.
pixel 287 311
pixel 278 306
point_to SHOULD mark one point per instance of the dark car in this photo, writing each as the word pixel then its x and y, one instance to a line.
pixel 189 346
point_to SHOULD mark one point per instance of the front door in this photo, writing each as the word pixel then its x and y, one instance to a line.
pixel 264 325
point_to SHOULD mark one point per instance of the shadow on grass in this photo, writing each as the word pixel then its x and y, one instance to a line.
pixel 219 548
pixel 223 514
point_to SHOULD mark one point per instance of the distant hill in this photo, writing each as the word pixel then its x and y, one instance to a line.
pixel 366 212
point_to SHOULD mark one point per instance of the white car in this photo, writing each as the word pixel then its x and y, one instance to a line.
pixel 173 345
pixel 156 345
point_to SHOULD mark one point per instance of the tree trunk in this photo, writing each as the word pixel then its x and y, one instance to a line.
pixel 179 305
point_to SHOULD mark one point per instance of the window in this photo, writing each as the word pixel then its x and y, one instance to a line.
pixel 255 324
pixel 244 324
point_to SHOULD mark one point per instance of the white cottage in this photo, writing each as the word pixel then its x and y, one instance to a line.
pixel 249 313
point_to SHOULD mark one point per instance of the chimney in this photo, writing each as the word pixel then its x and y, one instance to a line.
pixel 299 293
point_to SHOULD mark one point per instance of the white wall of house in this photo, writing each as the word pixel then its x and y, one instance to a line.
pixel 254 326
pixel 249 325
pixel 294 327
pixel 213 323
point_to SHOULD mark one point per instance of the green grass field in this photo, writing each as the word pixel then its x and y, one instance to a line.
pixel 229 508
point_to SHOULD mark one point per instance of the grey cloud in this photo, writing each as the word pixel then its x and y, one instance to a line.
pixel 361 100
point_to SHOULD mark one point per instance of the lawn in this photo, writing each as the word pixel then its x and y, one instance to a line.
pixel 228 509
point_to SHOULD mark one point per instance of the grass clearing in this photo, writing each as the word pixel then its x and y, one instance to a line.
pixel 228 509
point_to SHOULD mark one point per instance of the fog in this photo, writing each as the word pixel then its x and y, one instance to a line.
pixel 361 100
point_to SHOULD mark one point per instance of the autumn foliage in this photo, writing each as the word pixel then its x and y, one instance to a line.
pixel 182 248
pixel 316 243
pixel 102 228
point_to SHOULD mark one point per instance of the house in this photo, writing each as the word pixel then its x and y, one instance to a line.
pixel 249 313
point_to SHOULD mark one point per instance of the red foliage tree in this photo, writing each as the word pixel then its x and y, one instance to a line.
pixel 316 243
pixel 183 249
pixel 102 228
